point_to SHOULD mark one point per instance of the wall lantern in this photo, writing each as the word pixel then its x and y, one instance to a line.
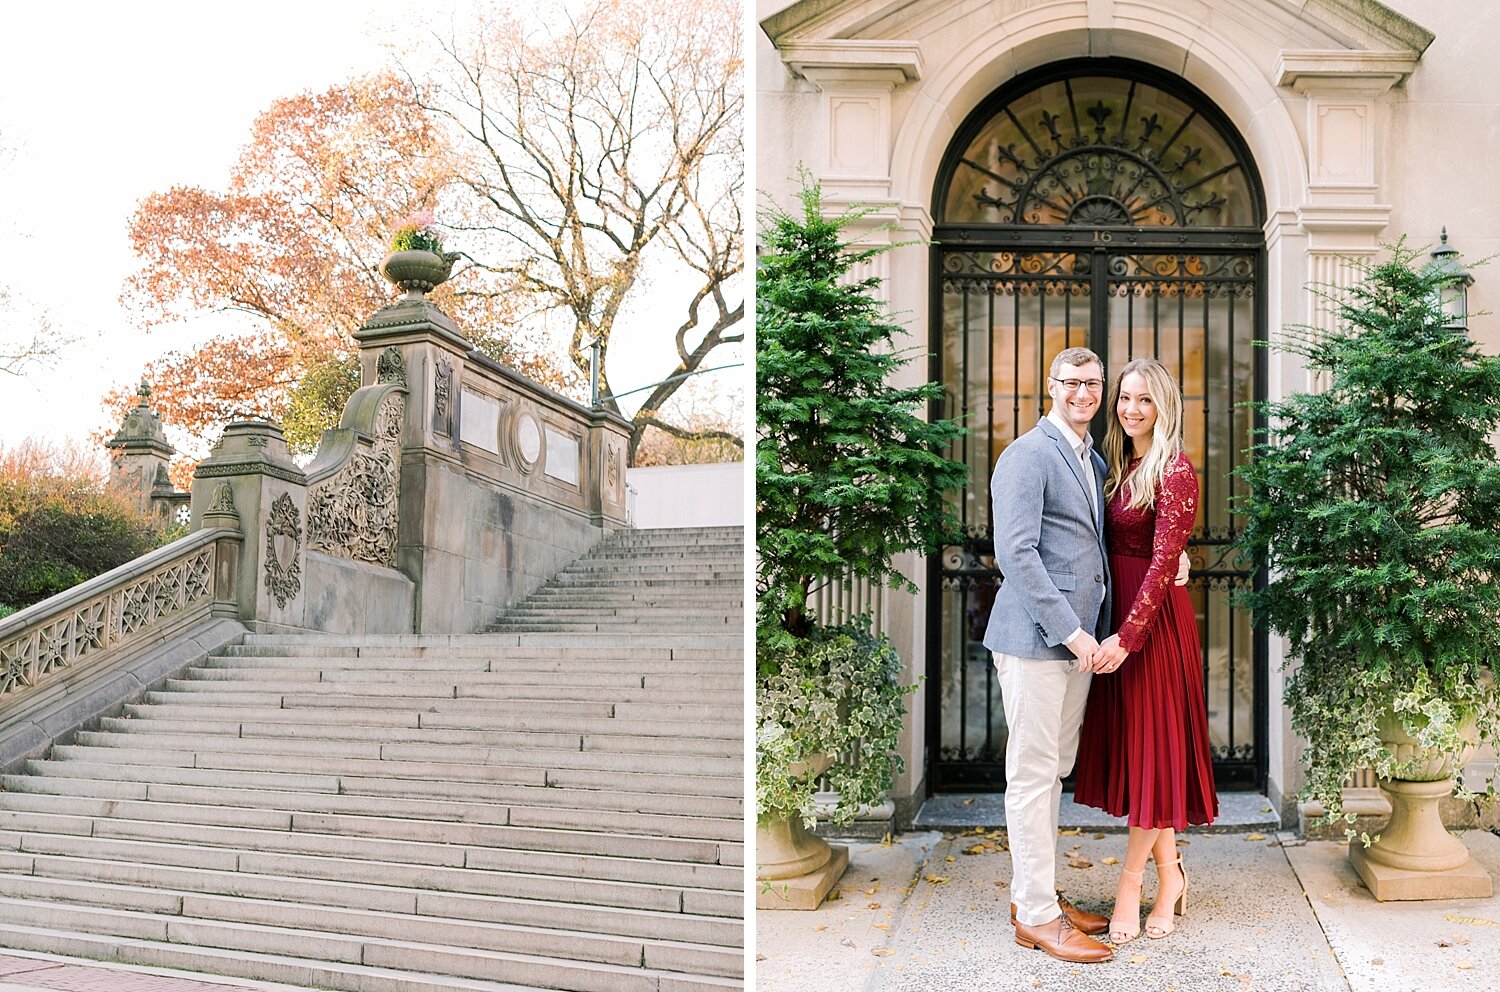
pixel 1453 295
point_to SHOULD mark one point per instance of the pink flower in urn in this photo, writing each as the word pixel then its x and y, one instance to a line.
pixel 417 232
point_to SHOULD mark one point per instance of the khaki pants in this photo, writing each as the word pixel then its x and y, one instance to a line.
pixel 1044 700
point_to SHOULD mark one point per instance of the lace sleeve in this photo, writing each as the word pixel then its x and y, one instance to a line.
pixel 1176 509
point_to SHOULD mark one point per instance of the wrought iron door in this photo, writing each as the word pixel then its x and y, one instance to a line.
pixel 1097 204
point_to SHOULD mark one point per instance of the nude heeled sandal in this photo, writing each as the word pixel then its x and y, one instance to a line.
pixel 1156 931
pixel 1117 932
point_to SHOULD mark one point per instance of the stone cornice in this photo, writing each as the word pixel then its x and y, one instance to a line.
pixel 1363 219
pixel 1323 71
pixel 886 62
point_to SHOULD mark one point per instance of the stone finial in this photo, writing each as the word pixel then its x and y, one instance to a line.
pixel 141 430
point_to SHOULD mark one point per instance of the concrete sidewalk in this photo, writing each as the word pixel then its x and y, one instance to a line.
pixel 1266 913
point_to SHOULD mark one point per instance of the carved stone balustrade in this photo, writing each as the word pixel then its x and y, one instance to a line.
pixel 90 647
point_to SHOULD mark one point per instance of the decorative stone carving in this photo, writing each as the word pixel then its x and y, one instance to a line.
pixel 223 501
pixel 442 392
pixel 283 550
pixel 612 466
pixel 391 367
pixel 257 441
pixel 136 605
pixel 353 513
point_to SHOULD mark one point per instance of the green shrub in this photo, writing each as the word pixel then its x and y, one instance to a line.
pixel 60 525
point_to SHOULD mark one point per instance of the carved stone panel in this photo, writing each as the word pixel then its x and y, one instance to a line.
pixel 283 550
pixel 353 514
pixel 442 398
pixel 391 367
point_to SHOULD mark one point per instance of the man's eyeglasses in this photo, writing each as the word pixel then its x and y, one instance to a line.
pixel 1071 385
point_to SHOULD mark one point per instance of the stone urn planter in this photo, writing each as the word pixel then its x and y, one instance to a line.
pixel 1415 857
pixel 794 868
pixel 418 272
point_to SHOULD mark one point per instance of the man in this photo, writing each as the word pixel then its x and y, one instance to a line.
pixel 1052 609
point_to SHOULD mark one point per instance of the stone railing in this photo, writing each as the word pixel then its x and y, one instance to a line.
pixel 151 597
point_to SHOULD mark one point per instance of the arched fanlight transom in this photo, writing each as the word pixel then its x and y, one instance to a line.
pixel 1103 151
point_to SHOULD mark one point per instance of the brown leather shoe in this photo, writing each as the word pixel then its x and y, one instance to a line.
pixel 1082 919
pixel 1063 941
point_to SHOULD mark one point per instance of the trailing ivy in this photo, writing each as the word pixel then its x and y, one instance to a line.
pixel 1374 507
pixel 848 476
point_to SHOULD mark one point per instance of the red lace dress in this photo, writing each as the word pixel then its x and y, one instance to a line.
pixel 1144 750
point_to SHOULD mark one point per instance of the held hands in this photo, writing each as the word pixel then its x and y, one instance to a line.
pixel 1183 566
pixel 1109 656
pixel 1083 647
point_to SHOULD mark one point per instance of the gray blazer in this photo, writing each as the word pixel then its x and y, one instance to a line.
pixel 1049 546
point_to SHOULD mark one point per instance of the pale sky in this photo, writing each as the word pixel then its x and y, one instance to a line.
pixel 107 104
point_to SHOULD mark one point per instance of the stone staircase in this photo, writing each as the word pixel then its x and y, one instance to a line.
pixel 555 804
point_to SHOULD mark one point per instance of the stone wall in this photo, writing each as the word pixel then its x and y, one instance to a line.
pixel 452 489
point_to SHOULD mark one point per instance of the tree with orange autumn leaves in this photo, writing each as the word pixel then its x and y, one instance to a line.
pixel 292 244
pixel 578 171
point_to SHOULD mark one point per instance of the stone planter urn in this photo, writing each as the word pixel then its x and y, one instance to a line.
pixel 418 272
pixel 796 869
pixel 1416 857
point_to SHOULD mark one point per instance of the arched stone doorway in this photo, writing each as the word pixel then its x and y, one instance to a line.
pixel 1108 203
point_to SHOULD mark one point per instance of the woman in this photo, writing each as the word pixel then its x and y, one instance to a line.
pixel 1144 750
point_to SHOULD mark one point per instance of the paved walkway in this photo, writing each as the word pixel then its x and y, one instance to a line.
pixel 1266 913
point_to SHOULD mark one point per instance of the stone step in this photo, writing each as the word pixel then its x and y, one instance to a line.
pixel 189 746
pixel 431 688
pixel 350 773
pixel 56 833
pixel 638 720
pixel 509 624
pixel 591 790
pixel 323 949
pixel 657 897
pixel 375 825
pixel 684 661
pixel 687 927
pixel 721 747
pixel 549 941
pixel 697 824
pixel 624 611
pixel 505 677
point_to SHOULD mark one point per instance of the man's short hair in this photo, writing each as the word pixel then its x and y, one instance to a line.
pixel 1076 357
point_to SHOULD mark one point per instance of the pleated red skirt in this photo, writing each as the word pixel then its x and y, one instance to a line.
pixel 1143 752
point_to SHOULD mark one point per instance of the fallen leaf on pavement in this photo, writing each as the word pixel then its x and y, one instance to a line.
pixel 1183 843
pixel 1111 861
pixel 968 802
pixel 936 879
pixel 847 942
pixel 881 926
pixel 1255 836
pixel 872 890
pixel 873 905
pixel 950 859
pixel 1071 854
pixel 1002 884
pixel 1377 960
pixel 820 928
pixel 1465 966
pixel 1098 836
pixel 1080 863
pixel 1070 832
pixel 1443 943
pixel 883 952
pixel 834 894
pixel 1138 959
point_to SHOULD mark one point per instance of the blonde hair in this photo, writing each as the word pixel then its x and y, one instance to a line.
pixel 1166 436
